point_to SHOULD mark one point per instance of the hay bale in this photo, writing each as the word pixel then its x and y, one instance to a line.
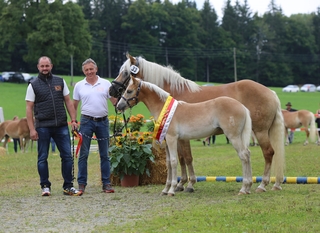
pixel 158 171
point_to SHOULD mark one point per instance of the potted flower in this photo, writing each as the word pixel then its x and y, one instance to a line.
pixel 130 154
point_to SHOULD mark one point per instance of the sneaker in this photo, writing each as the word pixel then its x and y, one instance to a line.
pixel 46 191
pixel 107 188
pixel 71 192
pixel 82 187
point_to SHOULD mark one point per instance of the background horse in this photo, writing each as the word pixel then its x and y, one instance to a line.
pixel 192 121
pixel 296 119
pixel 264 106
pixel 15 129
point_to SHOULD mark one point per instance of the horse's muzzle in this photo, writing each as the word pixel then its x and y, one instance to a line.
pixel 121 106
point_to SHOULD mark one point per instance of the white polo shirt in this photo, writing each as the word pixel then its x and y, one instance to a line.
pixel 93 97
pixel 30 96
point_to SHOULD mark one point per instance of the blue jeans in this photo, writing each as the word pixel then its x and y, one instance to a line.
pixel 101 130
pixel 53 145
pixel 61 136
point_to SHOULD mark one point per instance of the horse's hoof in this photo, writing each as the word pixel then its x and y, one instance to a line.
pixel 163 194
pixel 189 190
pixel 243 193
pixel 179 189
pixel 170 194
pixel 260 190
pixel 276 188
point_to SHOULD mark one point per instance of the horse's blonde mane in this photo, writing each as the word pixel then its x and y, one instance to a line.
pixel 157 74
pixel 161 93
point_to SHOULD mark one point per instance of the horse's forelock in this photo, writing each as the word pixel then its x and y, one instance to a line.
pixel 157 74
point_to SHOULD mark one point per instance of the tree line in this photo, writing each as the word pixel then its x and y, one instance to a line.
pixel 272 49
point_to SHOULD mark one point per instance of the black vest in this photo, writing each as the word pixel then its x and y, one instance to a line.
pixel 49 109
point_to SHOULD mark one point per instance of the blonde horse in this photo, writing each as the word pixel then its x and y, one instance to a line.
pixel 179 120
pixel 15 129
pixel 296 119
pixel 264 106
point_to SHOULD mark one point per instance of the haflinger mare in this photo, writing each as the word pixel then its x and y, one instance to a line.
pixel 263 104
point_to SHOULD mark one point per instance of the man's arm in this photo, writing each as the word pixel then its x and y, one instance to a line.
pixel 30 120
pixel 71 111
pixel 113 101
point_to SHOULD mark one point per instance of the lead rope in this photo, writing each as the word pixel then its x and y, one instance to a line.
pixel 73 178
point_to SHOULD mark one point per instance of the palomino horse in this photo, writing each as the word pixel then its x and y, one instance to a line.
pixel 296 119
pixel 264 106
pixel 178 120
pixel 15 129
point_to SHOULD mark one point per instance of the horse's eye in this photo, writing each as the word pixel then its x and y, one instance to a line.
pixel 129 91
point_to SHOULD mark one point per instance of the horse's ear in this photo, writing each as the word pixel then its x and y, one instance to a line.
pixel 133 78
pixel 128 55
pixel 132 59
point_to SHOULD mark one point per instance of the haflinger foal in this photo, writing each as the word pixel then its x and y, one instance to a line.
pixel 180 120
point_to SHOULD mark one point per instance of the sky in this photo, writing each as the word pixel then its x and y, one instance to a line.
pixel 261 6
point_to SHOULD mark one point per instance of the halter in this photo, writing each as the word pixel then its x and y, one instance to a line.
pixel 134 70
pixel 133 98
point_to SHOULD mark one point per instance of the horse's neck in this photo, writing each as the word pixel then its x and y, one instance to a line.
pixel 152 101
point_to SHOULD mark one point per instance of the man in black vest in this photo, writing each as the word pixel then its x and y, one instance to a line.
pixel 46 98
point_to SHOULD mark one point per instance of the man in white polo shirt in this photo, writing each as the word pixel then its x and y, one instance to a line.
pixel 93 93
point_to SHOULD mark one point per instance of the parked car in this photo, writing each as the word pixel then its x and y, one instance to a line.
pixel 318 88
pixel 27 77
pixel 14 77
pixel 308 88
pixel 290 88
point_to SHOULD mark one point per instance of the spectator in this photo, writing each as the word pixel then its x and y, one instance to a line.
pixel 318 124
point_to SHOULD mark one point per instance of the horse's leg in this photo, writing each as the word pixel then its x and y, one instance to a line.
pixel 244 155
pixel 172 145
pixel 183 168
pixel 168 182
pixel 184 149
pixel 272 154
pixel 22 144
pixel 286 136
pixel 307 134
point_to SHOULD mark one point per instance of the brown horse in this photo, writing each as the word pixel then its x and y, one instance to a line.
pixel 296 119
pixel 178 120
pixel 15 129
pixel 264 106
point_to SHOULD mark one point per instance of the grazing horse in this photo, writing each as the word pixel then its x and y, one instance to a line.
pixel 296 119
pixel 263 104
pixel 178 120
pixel 15 129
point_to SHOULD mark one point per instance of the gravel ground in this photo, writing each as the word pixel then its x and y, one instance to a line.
pixel 60 213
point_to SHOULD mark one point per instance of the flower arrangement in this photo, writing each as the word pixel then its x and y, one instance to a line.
pixel 116 123
pixel 130 153
pixel 136 122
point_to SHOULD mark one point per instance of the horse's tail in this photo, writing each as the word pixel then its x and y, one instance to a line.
pixel 276 136
pixel 313 129
pixel 246 133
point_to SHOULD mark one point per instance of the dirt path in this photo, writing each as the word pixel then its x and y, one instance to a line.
pixel 59 213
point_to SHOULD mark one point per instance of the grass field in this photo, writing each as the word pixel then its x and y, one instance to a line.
pixel 213 207
pixel 12 99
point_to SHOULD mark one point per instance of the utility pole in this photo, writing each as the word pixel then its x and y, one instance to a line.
pixel 235 64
